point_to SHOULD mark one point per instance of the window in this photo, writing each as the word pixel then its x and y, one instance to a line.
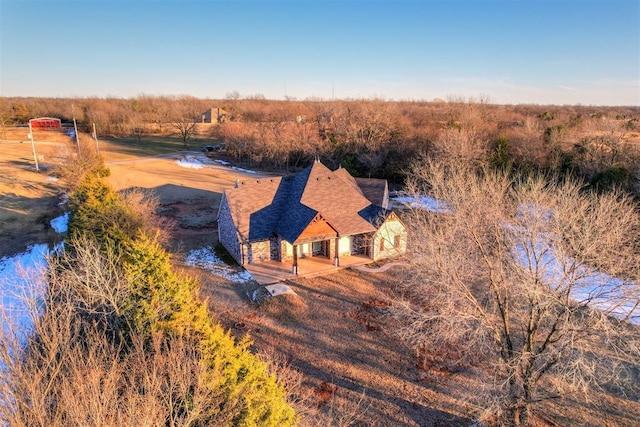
pixel 396 242
pixel 382 243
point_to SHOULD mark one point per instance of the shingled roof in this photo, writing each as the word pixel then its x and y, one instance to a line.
pixel 285 206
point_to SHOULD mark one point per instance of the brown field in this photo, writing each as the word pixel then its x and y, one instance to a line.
pixel 332 342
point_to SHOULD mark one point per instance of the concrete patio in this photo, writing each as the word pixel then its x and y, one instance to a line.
pixel 269 272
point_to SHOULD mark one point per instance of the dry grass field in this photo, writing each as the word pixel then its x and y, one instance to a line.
pixel 28 199
pixel 333 343
pixel 339 350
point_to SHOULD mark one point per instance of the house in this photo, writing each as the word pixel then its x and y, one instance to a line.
pixel 214 115
pixel 314 213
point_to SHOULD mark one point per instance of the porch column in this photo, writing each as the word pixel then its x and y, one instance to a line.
pixel 336 259
pixel 294 269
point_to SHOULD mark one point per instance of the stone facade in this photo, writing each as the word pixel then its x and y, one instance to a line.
pixel 359 244
pixel 274 246
pixel 227 234
pixel 259 251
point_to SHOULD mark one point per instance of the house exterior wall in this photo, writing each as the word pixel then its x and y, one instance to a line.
pixel 344 246
pixel 359 244
pixel 304 250
pixel 259 251
pixel 275 249
pixel 384 240
pixel 286 250
pixel 227 234
pixel 213 116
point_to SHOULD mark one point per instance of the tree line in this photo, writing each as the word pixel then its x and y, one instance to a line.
pixel 370 137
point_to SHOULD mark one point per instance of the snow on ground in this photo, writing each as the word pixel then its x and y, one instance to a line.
pixel 205 258
pixel 242 170
pixel 586 285
pixel 423 202
pixel 190 162
pixel 198 161
pixel 590 287
pixel 22 278
pixel 61 223
pixel 64 199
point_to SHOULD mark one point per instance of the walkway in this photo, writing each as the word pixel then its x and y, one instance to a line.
pixel 381 269
pixel 269 272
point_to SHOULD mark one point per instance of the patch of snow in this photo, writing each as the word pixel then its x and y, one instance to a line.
pixel 242 170
pixel 532 211
pixel 64 198
pixel 61 223
pixel 190 163
pixel 424 202
pixel 202 158
pixel 239 169
pixel 205 258
pixel 53 178
pixel 258 295
pixel 538 255
pixel 22 278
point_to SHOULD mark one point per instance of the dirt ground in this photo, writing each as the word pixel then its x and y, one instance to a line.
pixel 334 331
pixel 332 343
pixel 28 199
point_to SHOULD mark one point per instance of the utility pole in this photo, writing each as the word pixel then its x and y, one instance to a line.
pixel 95 138
pixel 75 126
pixel 33 147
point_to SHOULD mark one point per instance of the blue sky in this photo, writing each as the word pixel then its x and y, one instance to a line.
pixel 511 51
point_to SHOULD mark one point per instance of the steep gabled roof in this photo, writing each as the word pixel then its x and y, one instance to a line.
pixel 344 175
pixel 337 201
pixel 287 206
pixel 252 209
pixel 375 190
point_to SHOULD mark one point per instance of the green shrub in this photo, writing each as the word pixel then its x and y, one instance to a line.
pixel 501 158
pixel 162 303
pixel 610 178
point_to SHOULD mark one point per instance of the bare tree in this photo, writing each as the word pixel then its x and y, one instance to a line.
pixel 185 116
pixel 71 368
pixel 464 147
pixel 532 280
pixel 5 115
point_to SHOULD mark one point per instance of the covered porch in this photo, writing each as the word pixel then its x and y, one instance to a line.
pixel 268 272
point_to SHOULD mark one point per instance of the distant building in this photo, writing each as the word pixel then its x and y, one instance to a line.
pixel 214 115
pixel 315 213
pixel 45 123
